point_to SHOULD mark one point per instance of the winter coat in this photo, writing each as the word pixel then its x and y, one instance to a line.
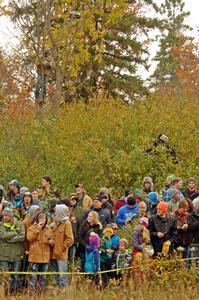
pixel 115 241
pixel 137 239
pixel 126 212
pixel 104 256
pixel 86 202
pixel 122 259
pixel 92 262
pixel 63 239
pixel 183 235
pixel 165 225
pixel 84 233
pixel 27 223
pixel 191 194
pixel 39 249
pixel 118 204
pixel 193 227
pixel 12 241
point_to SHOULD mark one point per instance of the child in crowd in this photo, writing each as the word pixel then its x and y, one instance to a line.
pixel 106 254
pixel 115 238
pixel 92 261
pixel 153 198
pixel 122 258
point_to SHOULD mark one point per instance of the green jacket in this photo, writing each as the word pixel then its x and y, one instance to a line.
pixel 105 244
pixel 12 241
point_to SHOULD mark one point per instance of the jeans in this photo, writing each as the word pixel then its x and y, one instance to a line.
pixel 14 266
pixel 38 267
pixel 60 266
pixel 195 253
pixel 39 85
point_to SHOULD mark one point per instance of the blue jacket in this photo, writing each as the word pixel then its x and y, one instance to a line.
pixel 115 241
pixel 125 212
pixel 92 263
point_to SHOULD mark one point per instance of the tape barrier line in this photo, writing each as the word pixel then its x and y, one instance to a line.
pixel 89 273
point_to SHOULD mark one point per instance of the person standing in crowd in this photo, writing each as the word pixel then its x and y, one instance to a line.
pixel 193 228
pixel 92 257
pixel 45 192
pixel 178 184
pixel 121 201
pixel 77 210
pixel 162 229
pixel 191 192
pixel 153 202
pixel 14 189
pixel 128 212
pixel 83 199
pixel 92 224
pixel 104 213
pixel 63 239
pixel 174 202
pixel 27 201
pixel 35 197
pixel 12 235
pixel 40 239
pixel 164 195
pixel 106 254
pixel 181 216
pixel 147 185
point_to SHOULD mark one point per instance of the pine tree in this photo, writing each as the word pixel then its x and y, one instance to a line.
pixel 172 34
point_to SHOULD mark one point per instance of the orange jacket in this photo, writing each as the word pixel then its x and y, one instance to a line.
pixel 63 239
pixel 39 249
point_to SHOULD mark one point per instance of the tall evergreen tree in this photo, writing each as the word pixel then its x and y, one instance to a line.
pixel 173 32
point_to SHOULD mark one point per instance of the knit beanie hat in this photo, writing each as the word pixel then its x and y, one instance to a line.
pixel 153 197
pixel 124 241
pixel 163 206
pixel 14 182
pixel 171 177
pixel 144 221
pixel 108 229
pixel 61 211
pixel 7 212
pixel 138 193
pixel 196 203
pixel 94 239
pixel 172 192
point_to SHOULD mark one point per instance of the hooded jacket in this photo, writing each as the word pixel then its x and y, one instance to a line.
pixel 92 263
pixel 39 248
pixel 12 241
pixel 63 234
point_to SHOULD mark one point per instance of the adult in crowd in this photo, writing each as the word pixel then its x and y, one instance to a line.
pixel 191 191
pixel 83 199
pixel 163 230
pixel 128 212
pixel 12 235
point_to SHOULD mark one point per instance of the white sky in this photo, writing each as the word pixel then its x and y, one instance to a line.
pixel 8 38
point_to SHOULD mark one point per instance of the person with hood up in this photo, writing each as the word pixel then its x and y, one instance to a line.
pixel 12 235
pixel 40 238
pixel 28 221
pixel 14 189
pixel 153 202
pixel 63 239
pixel 92 257
pixel 128 212
pixel 147 185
